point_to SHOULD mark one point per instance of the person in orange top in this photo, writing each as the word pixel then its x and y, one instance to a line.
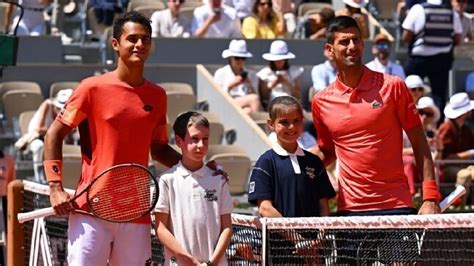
pixel 121 118
pixel 359 118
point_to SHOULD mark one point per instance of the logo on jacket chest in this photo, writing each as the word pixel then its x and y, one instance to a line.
pixel 148 108
pixel 210 194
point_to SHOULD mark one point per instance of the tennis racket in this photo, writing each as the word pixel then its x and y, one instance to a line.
pixel 453 196
pixel 119 194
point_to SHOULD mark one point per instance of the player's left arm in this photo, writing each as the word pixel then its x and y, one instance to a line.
pixel 425 166
pixel 324 207
pixel 224 239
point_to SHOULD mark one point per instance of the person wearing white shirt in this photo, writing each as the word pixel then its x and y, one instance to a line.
pixel 214 20
pixel 323 74
pixel 279 77
pixel 169 23
pixel 466 20
pixel 240 82
pixel 432 29
pixel 382 63
pixel 243 7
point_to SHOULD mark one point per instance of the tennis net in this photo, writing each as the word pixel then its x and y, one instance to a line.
pixel 444 239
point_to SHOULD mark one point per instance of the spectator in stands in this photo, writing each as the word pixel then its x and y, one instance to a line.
pixel 241 83
pixel 39 124
pixel 169 22
pixel 359 120
pixel 214 20
pixel 417 88
pixel 470 92
pixel 33 22
pixel 430 54
pixel 429 115
pixel 243 7
pixel 193 212
pixel 323 74
pixel 286 180
pixel 381 47
pixel 7 174
pixel 458 141
pixel 104 11
pixel 353 9
pixel 279 78
pixel 313 25
pixel 466 21
pixel 265 22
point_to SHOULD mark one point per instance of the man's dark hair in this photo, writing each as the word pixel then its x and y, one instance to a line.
pixel 132 16
pixel 188 119
pixel 338 24
pixel 282 104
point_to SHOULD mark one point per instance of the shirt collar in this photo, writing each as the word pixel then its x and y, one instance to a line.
pixel 182 171
pixel 282 152
pixel 364 83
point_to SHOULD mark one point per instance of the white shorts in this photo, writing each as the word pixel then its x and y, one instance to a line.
pixel 92 241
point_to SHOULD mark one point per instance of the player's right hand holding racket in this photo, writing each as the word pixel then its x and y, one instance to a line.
pixel 119 194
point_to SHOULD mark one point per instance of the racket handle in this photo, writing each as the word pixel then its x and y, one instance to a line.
pixel 28 216
pixel 448 201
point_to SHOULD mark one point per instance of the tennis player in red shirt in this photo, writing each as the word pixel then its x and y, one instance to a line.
pixel 121 118
pixel 359 119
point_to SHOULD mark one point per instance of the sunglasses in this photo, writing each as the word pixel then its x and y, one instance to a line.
pixel 240 58
pixel 382 46
pixel 425 113
pixel 421 89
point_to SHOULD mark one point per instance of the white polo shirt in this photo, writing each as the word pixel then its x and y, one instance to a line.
pixel 225 76
pixel 227 27
pixel 194 201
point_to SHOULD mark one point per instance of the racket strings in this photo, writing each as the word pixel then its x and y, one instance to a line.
pixel 121 194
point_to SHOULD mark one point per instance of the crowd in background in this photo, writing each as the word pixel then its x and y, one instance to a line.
pixel 449 131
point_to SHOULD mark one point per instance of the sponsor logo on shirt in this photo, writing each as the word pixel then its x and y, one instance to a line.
pixel 252 187
pixel 210 194
pixel 310 172
pixel 376 105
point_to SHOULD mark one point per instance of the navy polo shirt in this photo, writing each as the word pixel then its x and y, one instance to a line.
pixel 293 182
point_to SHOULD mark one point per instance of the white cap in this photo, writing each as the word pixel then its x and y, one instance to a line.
pixel 62 97
pixel 458 105
pixel 427 102
pixel 353 3
pixel 414 81
pixel 237 48
pixel 278 51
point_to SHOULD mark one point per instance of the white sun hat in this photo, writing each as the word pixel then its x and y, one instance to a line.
pixel 427 102
pixel 458 105
pixel 62 97
pixel 415 81
pixel 278 51
pixel 237 48
pixel 353 3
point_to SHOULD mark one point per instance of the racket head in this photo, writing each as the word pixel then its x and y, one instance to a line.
pixel 123 193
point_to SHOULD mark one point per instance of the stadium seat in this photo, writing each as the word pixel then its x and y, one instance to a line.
pixel 133 4
pixel 16 102
pixel 61 85
pixel 72 165
pixel 235 162
pixel 177 86
pixel 180 98
pixel 148 9
pixel 24 120
pixel 191 4
pixel 187 12
pixel 303 8
pixel 216 127
pixel 261 119
pixel 20 85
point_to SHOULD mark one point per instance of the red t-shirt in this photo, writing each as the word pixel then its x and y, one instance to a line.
pixel 117 124
pixel 364 126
